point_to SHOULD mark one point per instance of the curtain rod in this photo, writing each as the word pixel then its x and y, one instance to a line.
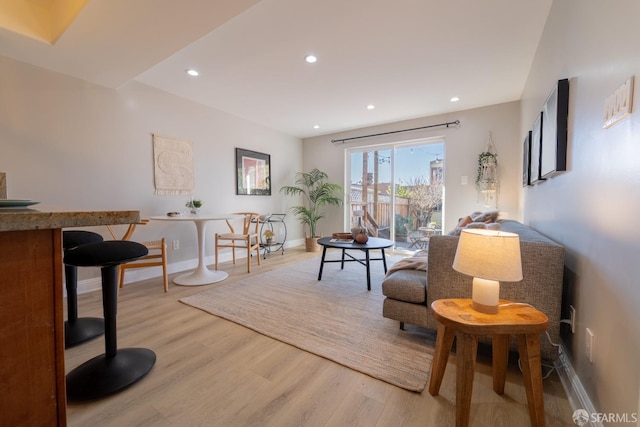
pixel 343 140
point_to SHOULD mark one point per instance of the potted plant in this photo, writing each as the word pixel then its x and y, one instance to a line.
pixel 268 235
pixel 194 205
pixel 316 193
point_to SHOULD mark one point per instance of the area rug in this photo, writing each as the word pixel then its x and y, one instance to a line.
pixel 335 318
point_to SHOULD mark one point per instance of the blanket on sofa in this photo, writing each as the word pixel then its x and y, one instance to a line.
pixel 416 262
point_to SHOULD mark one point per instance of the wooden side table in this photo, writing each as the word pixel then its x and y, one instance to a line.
pixel 456 317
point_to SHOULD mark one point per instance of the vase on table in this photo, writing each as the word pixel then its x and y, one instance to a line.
pixel 362 237
pixel 359 228
pixel 194 205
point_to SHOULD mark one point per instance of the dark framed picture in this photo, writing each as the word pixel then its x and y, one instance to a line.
pixel 253 173
pixel 536 147
pixel 526 160
pixel 553 158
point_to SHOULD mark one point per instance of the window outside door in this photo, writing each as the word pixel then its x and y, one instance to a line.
pixel 397 191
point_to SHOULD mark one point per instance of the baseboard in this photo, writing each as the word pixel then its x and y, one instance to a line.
pixel 138 274
pixel 294 243
pixel 576 394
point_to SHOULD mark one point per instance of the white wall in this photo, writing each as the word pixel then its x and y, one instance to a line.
pixel 463 144
pixel 74 145
pixel 592 208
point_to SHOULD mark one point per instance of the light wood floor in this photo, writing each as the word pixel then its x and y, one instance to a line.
pixel 212 372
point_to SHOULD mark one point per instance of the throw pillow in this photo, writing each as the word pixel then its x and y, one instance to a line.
pixel 477 220
pixel 488 217
pixel 464 221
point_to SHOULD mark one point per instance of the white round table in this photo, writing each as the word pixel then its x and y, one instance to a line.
pixel 201 275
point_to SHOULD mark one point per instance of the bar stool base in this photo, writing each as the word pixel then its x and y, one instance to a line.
pixel 82 330
pixel 102 376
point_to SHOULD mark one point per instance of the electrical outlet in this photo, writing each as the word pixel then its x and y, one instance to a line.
pixel 176 245
pixel 589 341
pixel 572 312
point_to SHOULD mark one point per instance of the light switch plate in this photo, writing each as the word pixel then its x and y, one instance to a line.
pixel 572 311
pixel 619 104
pixel 589 342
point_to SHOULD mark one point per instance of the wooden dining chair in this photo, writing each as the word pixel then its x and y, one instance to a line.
pixel 247 239
pixel 157 256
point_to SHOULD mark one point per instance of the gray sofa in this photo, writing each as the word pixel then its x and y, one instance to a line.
pixel 409 293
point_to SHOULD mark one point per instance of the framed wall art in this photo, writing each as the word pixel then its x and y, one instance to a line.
pixel 526 160
pixel 553 157
pixel 536 146
pixel 253 173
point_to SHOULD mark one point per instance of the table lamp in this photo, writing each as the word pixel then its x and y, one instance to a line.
pixel 490 256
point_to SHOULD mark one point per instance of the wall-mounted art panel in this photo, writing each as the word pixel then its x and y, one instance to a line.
pixel 553 157
pixel 536 147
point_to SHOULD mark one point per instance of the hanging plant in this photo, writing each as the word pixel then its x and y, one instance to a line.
pixel 487 166
pixel 487 183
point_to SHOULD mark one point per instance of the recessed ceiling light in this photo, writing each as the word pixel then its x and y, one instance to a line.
pixel 192 72
pixel 316 127
pixel 370 107
pixel 310 59
pixel 454 99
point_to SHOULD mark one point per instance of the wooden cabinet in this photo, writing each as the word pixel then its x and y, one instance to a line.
pixel 32 372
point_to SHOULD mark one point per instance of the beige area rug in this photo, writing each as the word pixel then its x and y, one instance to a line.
pixel 335 318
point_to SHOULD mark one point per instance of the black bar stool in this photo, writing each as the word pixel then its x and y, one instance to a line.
pixel 78 330
pixel 116 369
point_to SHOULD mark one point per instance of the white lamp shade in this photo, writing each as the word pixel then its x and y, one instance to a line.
pixel 489 254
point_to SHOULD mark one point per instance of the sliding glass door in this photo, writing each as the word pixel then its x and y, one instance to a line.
pixel 397 191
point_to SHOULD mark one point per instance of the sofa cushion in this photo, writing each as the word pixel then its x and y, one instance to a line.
pixel 406 285
pixel 488 217
pixel 413 314
pixel 526 233
pixel 476 220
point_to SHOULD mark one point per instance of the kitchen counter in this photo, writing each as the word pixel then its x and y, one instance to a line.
pixel 37 219
pixel 31 311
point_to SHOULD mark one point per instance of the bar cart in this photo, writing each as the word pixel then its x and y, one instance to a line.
pixel 278 228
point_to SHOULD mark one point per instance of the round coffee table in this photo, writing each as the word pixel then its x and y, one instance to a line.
pixel 374 243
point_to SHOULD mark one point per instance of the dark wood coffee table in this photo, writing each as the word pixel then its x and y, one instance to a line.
pixel 374 243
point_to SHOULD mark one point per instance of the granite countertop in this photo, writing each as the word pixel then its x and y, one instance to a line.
pixel 35 219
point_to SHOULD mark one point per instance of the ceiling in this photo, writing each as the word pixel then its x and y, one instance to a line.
pixel 406 57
